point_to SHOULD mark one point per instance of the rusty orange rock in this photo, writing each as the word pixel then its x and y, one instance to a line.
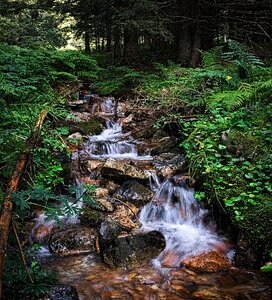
pixel 212 261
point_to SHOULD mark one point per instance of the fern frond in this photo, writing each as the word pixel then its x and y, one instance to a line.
pixel 231 100
pixel 212 59
pixel 239 54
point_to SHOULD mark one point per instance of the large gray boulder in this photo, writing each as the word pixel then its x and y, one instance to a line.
pixel 134 250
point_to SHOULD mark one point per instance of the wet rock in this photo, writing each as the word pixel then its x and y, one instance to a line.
pixel 122 170
pixel 91 217
pixel 109 231
pixel 159 134
pixel 132 251
pixel 208 262
pixel 246 258
pixel 166 144
pixel 42 230
pixel 94 165
pixel 94 125
pixel 134 192
pixel 184 181
pixel 75 136
pixel 61 292
pixel 146 132
pixel 73 240
pixel 126 215
pixel 169 164
pixel 78 117
pixel 209 294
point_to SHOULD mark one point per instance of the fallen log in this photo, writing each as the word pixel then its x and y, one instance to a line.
pixel 7 205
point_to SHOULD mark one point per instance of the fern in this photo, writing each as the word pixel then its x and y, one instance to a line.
pixel 212 59
pixel 239 54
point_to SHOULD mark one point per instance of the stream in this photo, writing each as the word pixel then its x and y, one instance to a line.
pixel 147 237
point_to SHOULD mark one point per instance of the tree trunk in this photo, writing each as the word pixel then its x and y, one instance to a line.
pixel 108 37
pixel 87 42
pixel 7 205
pixel 117 47
pixel 130 52
pixel 196 36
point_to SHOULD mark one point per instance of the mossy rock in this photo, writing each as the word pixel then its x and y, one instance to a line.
pixel 94 126
pixel 90 217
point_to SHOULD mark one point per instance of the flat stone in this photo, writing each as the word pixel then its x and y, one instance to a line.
pixel 213 261
pixel 134 192
pixel 125 214
pixel 73 240
pixel 120 169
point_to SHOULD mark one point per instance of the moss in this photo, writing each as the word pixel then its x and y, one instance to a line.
pixel 93 126
pixel 257 225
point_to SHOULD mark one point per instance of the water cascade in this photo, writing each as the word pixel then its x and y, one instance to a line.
pixel 176 214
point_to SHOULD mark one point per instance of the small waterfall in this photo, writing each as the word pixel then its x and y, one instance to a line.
pixel 154 180
pixel 176 214
pixel 112 143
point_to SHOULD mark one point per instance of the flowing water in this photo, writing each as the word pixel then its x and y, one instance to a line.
pixel 177 215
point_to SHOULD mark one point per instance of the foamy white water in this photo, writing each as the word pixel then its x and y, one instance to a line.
pixel 112 143
pixel 176 214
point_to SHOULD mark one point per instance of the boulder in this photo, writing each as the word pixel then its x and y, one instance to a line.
pixel 90 217
pixel 73 240
pixel 166 144
pixel 126 215
pixel 134 192
pixel 109 231
pixel 132 251
pixel 122 170
pixel 169 164
pixel 213 261
pixel 94 165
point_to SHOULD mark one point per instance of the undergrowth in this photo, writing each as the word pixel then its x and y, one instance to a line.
pixel 223 109
pixel 32 81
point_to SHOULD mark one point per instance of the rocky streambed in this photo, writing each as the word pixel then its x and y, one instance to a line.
pixel 144 236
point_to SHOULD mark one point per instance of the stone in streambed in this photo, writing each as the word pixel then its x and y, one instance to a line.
pixel 109 231
pixel 73 240
pixel 122 170
pixel 126 215
pixel 90 217
pixel 212 261
pixel 132 251
pixel 61 292
pixel 134 192
pixel 169 164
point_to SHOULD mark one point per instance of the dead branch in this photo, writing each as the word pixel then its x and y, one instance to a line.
pixel 7 205
pixel 14 227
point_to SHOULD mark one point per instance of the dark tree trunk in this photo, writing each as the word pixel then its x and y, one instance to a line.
pixel 196 35
pixel 117 47
pixel 87 42
pixel 130 51
pixel 108 37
